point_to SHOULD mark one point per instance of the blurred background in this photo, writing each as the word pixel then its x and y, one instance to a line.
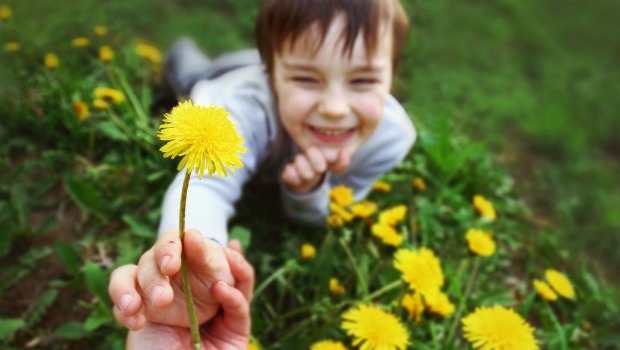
pixel 536 82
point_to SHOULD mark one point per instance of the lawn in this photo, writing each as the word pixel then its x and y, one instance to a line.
pixel 514 101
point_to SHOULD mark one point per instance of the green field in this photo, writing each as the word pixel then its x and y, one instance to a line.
pixel 516 101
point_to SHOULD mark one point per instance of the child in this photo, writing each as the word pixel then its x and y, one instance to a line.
pixel 317 113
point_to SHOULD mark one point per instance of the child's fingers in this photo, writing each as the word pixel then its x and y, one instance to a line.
pixel 168 252
pixel 123 293
pixel 235 245
pixel 156 289
pixel 317 160
pixel 290 176
pixel 243 273
pixel 304 169
pixel 134 322
pixel 236 308
pixel 342 163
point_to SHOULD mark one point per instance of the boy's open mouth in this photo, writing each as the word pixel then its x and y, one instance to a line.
pixel 332 135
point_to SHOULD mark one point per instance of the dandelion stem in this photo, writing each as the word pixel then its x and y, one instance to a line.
pixel 558 327
pixel 279 272
pixel 360 278
pixel 191 312
pixel 463 304
pixel 385 289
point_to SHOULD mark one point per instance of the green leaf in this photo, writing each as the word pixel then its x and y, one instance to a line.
pixel 68 256
pixel 242 234
pixel 110 129
pixel 96 320
pixel 71 330
pixel 84 194
pixel 9 326
pixel 138 227
pixel 97 281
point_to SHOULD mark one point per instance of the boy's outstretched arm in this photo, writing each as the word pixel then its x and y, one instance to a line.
pixel 152 290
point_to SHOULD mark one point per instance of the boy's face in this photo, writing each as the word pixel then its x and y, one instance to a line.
pixel 327 98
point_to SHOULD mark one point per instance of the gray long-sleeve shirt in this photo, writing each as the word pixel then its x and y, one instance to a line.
pixel 246 94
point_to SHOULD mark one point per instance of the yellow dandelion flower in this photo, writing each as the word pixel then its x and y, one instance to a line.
pixel 586 326
pixel 5 13
pixel 99 103
pixel 498 328
pixel 307 251
pixel 560 283
pixel 544 290
pixel 204 136
pixel 364 209
pixel 81 110
pixel 394 215
pixel 480 242
pixel 419 183
pixel 413 304
pixel 100 30
pixel 327 345
pixel 420 269
pixel 50 61
pixel 12 46
pixel 148 52
pixel 335 221
pixel 439 303
pixel 108 94
pixel 335 287
pixel 372 328
pixel 106 54
pixel 253 346
pixel 387 234
pixel 381 186
pixel 341 195
pixel 80 42
pixel 340 212
pixel 484 207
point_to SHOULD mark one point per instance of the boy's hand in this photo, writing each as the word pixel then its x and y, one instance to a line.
pixel 307 169
pixel 153 291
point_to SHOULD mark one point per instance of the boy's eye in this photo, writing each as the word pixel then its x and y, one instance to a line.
pixel 305 80
pixel 364 81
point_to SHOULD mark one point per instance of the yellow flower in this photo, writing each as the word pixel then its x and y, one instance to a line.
pixel 80 42
pixel 327 345
pixel 5 13
pixel 498 328
pixel 12 46
pixel 253 346
pixel 99 103
pixel 204 136
pixel 100 30
pixel 439 303
pixel 307 251
pixel 108 94
pixel 586 326
pixel 560 283
pixel 340 212
pixel 387 234
pixel 341 195
pixel 381 186
pixel 50 61
pixel 81 110
pixel 372 328
pixel 544 290
pixel 335 221
pixel 484 207
pixel 419 183
pixel 393 216
pixel 364 209
pixel 106 54
pixel 480 242
pixel 335 287
pixel 413 304
pixel 420 269
pixel 149 52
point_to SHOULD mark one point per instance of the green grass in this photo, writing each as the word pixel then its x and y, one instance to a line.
pixel 513 100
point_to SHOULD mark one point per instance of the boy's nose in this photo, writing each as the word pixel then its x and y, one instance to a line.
pixel 333 105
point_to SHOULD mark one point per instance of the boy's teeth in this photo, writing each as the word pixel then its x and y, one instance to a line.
pixel 331 132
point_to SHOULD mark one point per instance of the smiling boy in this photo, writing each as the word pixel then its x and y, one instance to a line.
pixel 315 113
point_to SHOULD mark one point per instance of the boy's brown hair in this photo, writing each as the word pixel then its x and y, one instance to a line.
pixel 282 20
